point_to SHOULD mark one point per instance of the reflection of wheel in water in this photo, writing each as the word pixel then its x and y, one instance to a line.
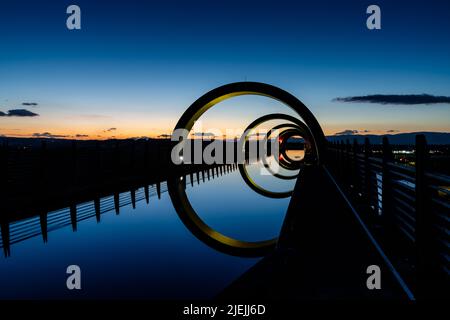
pixel 208 235
pixel 257 188
pixel 176 188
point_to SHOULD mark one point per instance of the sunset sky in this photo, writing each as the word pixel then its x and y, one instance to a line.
pixel 134 67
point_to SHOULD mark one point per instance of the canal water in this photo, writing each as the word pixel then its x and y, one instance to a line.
pixel 146 251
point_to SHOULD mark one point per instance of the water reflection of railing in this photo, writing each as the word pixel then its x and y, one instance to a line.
pixel 408 207
pixel 43 223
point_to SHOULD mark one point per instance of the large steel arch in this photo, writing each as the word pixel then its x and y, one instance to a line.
pixel 176 188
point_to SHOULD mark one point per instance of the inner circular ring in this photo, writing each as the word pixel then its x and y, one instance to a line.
pixel 264 160
pixel 297 124
pixel 243 167
pixel 285 136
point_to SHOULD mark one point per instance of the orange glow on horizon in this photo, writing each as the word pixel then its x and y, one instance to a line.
pixel 129 134
pixel 162 128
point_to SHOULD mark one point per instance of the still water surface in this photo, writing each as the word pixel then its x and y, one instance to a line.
pixel 147 252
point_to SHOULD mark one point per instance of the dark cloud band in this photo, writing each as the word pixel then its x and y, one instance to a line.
pixel 346 132
pixel 402 99
pixel 18 113
pixel 48 135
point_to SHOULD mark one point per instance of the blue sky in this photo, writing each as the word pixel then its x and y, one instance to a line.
pixel 136 65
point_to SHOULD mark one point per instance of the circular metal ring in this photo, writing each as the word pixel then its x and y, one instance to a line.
pixel 285 135
pixel 175 186
pixel 300 128
pixel 264 160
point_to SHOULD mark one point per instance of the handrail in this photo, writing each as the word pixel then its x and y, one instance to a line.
pixel 406 201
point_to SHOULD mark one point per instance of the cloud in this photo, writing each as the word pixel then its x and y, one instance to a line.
pixel 30 104
pixel 81 135
pixel 164 136
pixel 18 113
pixel 48 135
pixel 402 99
pixel 391 131
pixel 110 130
pixel 346 132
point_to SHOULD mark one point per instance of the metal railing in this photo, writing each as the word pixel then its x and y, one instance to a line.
pixel 406 206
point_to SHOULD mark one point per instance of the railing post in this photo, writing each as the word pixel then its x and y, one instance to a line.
pixel 132 156
pixel 348 167
pixel 73 216
pixel 3 168
pixel 44 226
pixel 146 167
pixel 426 272
pixel 386 193
pixel 98 160
pixel 74 163
pixel 133 198
pixel 158 189
pixel 224 149
pixel 356 175
pixel 341 160
pixel 257 146
pixel 159 161
pixel 117 203
pixel 235 151
pixel 337 158
pixel 4 228
pixel 147 193
pixel 117 165
pixel 97 208
pixel 367 173
pixel 43 174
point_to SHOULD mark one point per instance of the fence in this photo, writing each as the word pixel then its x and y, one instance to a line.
pixel 406 206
